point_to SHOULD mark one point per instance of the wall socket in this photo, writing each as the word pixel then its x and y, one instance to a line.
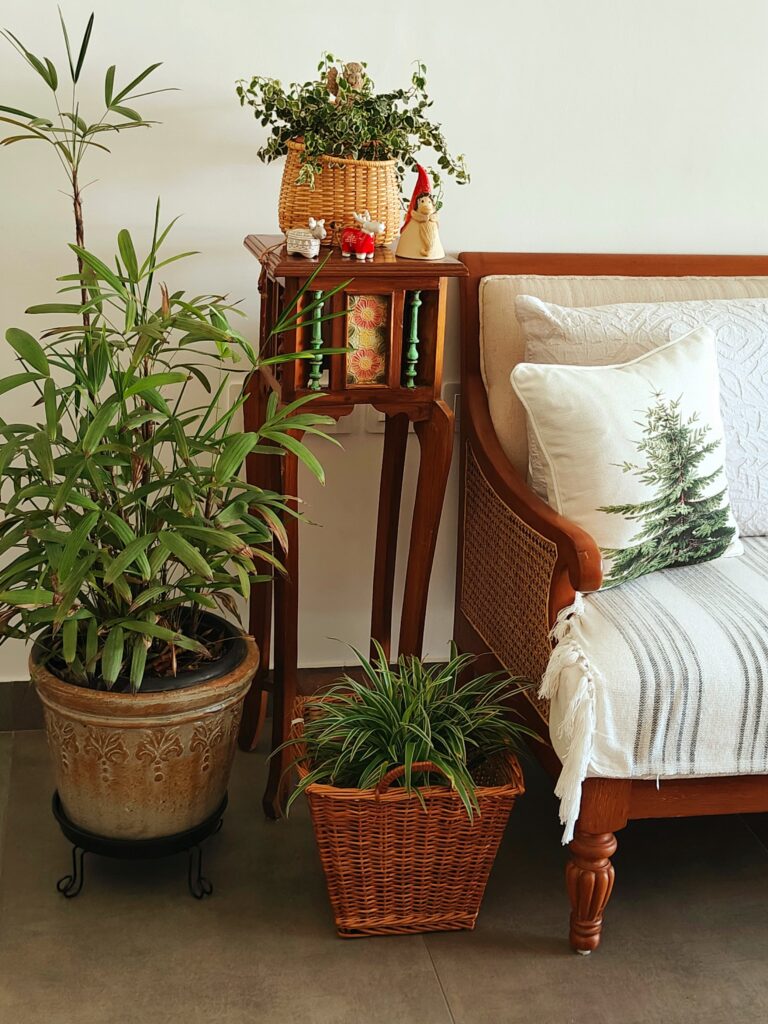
pixel 374 420
pixel 371 419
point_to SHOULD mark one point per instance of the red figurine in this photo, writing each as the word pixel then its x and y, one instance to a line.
pixel 360 241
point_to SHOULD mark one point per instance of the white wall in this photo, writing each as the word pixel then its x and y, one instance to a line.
pixel 603 125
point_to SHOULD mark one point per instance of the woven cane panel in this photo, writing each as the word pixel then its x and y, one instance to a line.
pixel 507 572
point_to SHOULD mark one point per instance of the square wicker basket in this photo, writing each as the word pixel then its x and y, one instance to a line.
pixel 393 867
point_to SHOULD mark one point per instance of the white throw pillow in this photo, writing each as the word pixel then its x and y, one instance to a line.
pixel 635 454
pixel 615 333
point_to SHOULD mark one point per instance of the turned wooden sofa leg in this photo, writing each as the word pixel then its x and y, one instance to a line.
pixel 604 810
pixel 589 875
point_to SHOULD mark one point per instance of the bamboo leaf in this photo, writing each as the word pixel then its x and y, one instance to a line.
pixel 235 449
pixel 17 112
pixel 185 552
pixel 33 597
pixel 99 425
pixel 83 48
pixel 132 85
pixel 40 445
pixel 91 644
pixel 109 84
pixel 29 349
pixel 73 549
pixel 128 252
pixel 66 44
pixel 69 636
pixel 161 633
pixel 138 664
pixel 154 380
pixel 51 409
pixel 127 557
pixel 302 453
pixel 15 380
pixel 127 112
pixel 53 77
pixel 101 270
pixel 59 307
pixel 127 536
pixel 112 655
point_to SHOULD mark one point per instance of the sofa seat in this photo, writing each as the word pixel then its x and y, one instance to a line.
pixel 663 677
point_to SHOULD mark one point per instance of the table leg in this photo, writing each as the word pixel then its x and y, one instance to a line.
pixel 261 471
pixel 390 492
pixel 436 442
pixel 286 646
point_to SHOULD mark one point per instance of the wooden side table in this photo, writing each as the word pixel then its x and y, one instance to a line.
pixel 394 328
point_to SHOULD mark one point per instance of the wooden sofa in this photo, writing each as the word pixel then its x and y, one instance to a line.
pixel 520 563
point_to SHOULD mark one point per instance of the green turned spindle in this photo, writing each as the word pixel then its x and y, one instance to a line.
pixel 316 343
pixel 412 354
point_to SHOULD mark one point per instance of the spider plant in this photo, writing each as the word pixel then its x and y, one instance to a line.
pixel 399 715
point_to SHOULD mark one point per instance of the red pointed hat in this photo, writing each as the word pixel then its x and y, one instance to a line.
pixel 423 185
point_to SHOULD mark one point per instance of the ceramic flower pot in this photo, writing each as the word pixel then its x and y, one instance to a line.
pixel 150 764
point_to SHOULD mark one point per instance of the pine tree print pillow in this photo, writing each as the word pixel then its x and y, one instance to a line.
pixel 635 454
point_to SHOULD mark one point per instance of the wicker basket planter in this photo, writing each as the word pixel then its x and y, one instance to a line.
pixel 343 187
pixel 393 867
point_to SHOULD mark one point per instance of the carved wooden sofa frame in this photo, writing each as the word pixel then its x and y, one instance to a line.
pixel 520 563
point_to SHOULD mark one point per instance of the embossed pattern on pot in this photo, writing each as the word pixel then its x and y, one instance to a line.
pixel 138 766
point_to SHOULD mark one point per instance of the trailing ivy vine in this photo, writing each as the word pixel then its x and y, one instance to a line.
pixel 340 114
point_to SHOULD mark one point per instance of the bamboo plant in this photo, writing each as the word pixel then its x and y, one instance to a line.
pixel 123 514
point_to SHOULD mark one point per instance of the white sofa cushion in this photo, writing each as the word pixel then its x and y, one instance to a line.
pixel 634 453
pixel 502 345
pixel 663 677
pixel 622 331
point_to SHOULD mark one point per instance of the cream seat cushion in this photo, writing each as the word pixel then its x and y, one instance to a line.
pixel 502 346
pixel 663 677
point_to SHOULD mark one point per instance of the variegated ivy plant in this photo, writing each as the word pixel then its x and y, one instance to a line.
pixel 123 514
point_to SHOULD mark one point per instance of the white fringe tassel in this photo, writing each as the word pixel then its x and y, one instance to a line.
pixel 578 725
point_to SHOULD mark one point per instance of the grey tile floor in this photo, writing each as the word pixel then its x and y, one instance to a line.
pixel 686 940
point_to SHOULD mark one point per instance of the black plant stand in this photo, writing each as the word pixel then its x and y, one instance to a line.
pixel 137 849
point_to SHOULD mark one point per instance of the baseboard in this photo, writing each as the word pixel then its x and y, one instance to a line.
pixel 20 707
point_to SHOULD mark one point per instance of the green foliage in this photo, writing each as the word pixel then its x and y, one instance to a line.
pixel 683 523
pixel 357 122
pixel 65 129
pixel 123 514
pixel 358 731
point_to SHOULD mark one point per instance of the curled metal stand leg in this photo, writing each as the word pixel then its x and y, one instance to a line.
pixel 70 885
pixel 199 885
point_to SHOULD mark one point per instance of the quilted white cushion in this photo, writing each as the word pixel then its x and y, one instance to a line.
pixel 621 332
pixel 501 342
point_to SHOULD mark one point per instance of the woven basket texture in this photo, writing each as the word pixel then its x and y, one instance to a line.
pixel 393 867
pixel 343 187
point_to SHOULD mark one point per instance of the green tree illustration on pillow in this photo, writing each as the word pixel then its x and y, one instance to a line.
pixel 682 523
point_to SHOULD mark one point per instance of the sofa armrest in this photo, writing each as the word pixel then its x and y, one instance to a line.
pixel 576 549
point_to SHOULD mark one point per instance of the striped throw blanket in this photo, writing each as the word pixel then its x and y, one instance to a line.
pixel 663 677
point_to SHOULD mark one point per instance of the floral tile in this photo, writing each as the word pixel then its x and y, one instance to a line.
pixel 368 339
